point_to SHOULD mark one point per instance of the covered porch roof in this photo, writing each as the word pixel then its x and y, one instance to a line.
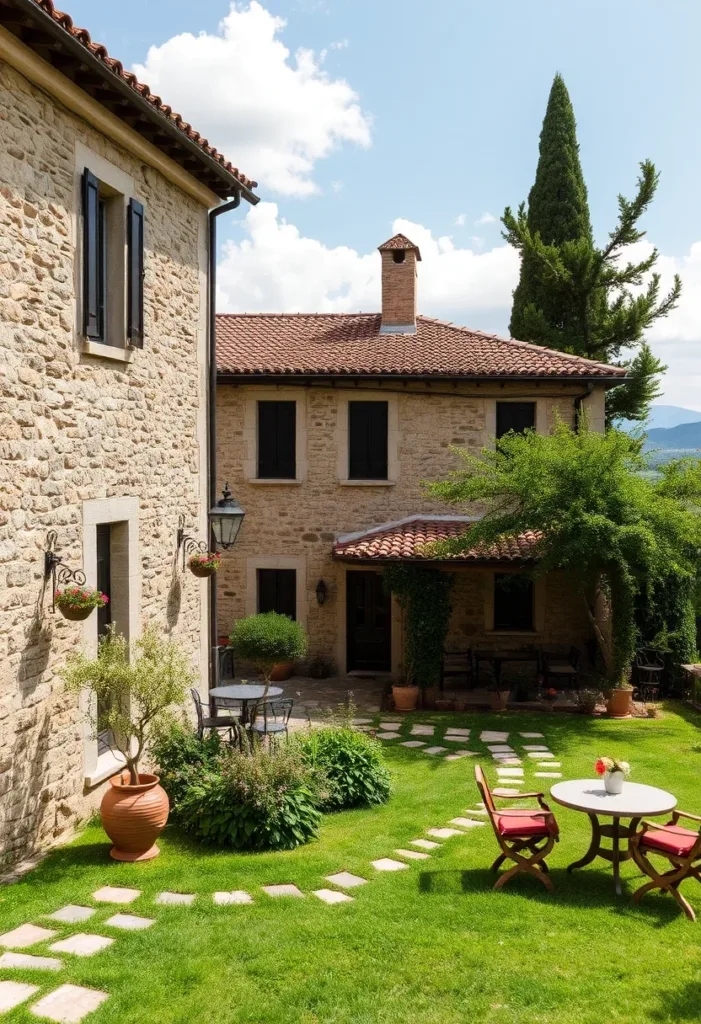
pixel 404 540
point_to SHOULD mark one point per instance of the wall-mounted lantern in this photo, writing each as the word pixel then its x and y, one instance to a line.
pixel 321 591
pixel 225 519
pixel 76 600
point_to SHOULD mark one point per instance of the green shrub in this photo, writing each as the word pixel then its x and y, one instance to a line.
pixel 180 757
pixel 352 764
pixel 262 800
pixel 267 639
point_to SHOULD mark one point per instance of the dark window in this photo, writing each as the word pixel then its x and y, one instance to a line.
pixel 277 591
pixel 276 441
pixel 516 416
pixel 135 274
pixel 94 258
pixel 513 602
pixel 104 619
pixel 367 444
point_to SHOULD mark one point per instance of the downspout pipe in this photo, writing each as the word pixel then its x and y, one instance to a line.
pixel 233 204
pixel 578 403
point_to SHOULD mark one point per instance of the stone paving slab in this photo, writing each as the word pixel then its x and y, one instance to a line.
pixel 422 730
pixel 451 731
pixel 115 894
pixel 477 810
pixel 511 762
pixel 434 750
pixel 534 746
pixel 130 922
pixel 12 993
pixel 25 961
pixel 362 721
pixel 444 833
pixel 449 738
pixel 223 899
pixel 548 775
pixel 282 890
pixel 387 864
pixel 500 748
pixel 532 735
pixel 72 914
pixel 539 756
pixel 503 791
pixel 176 898
pixel 82 944
pixel 390 725
pixel 466 822
pixel 332 896
pixel 69 1004
pixel 388 735
pixel 508 773
pixel 346 879
pixel 413 743
pixel 550 764
pixel 413 854
pixel 460 753
pixel 425 844
pixel 26 935
pixel 490 736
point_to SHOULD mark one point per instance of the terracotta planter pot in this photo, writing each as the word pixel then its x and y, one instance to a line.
pixel 405 697
pixel 134 817
pixel 282 672
pixel 201 570
pixel 619 702
pixel 498 699
pixel 75 614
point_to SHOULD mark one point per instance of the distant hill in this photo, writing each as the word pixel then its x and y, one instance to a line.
pixel 685 435
pixel 665 416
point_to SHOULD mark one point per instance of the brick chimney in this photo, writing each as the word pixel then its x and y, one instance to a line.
pixel 399 258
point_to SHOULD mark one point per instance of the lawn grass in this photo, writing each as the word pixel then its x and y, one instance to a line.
pixel 432 944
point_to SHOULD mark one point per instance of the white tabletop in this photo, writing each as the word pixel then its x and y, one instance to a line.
pixel 635 801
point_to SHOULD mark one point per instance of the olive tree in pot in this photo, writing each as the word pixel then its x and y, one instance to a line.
pixel 132 692
pixel 267 640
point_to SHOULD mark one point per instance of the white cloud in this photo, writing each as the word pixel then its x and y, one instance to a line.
pixel 486 218
pixel 276 269
pixel 461 220
pixel 339 44
pixel 272 114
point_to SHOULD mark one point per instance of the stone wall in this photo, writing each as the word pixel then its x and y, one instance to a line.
pixel 294 525
pixel 76 428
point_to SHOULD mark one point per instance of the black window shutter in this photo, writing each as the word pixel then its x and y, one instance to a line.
pixel 516 416
pixel 367 444
pixel 135 273
pixel 277 591
pixel 513 602
pixel 276 440
pixel 91 256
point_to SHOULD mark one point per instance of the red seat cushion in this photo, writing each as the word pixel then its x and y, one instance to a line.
pixel 673 839
pixel 523 826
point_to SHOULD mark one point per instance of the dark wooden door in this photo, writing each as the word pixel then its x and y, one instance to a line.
pixel 368 623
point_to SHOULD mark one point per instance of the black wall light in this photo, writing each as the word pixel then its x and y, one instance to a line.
pixel 321 591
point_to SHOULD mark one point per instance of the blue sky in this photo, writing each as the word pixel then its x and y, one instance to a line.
pixel 450 96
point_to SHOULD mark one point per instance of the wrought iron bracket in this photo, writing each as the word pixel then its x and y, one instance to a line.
pixel 57 571
pixel 188 544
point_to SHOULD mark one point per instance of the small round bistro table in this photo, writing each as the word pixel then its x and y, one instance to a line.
pixel 635 802
pixel 245 692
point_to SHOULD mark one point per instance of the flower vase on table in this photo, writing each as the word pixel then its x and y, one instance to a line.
pixel 614 773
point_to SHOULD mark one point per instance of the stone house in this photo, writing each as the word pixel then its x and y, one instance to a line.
pixel 327 426
pixel 105 229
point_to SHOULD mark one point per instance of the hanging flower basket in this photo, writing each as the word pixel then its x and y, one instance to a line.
pixel 204 563
pixel 76 603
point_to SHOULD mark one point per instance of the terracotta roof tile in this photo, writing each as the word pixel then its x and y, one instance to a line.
pixel 405 540
pixel 340 344
pixel 100 51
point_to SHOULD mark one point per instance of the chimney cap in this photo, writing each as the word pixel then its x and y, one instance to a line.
pixel 399 241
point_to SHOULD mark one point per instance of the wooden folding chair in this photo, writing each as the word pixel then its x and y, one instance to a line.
pixel 681 847
pixel 520 832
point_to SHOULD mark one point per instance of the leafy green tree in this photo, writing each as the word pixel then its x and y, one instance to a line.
pixel 266 640
pixel 620 534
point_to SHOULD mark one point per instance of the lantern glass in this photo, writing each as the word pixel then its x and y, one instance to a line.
pixel 225 519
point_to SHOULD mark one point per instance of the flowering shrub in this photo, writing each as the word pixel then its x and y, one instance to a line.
pixel 80 597
pixel 205 560
pixel 550 694
pixel 611 764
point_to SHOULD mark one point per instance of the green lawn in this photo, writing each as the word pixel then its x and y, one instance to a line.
pixel 432 944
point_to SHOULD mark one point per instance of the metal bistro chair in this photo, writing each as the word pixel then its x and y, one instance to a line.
pixel 650 667
pixel 205 721
pixel 271 717
pixel 562 667
pixel 456 663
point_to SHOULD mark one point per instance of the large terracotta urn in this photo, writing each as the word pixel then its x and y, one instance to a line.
pixel 618 703
pixel 134 816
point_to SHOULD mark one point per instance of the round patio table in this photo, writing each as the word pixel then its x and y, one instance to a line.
pixel 635 802
pixel 245 692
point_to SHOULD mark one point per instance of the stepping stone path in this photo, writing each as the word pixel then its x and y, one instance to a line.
pixel 176 898
pixel 390 725
pixel 72 914
pixel 223 899
pixel 510 762
pixel 466 822
pixel 413 854
pixel 283 890
pixel 81 944
pixel 362 721
pixel 115 894
pixel 387 864
pixel 456 732
pixel 502 791
pixel 422 730
pixel 551 764
pixel 460 753
pixel 444 833
pixel 502 748
pixel 478 810
pixel 12 993
pixel 548 775
pixel 388 735
pixel 534 746
pixel 68 1004
pixel 332 896
pixel 346 880
pixel 26 935
pixel 425 844
pixel 509 773
pixel 532 735
pixel 488 736
pixel 413 743
pixel 25 961
pixel 129 922
pixel 435 750
pixel 449 738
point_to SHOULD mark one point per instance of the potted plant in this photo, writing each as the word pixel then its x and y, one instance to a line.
pixel 614 773
pixel 76 603
pixel 322 666
pixel 271 643
pixel 588 700
pixel 619 700
pixel 133 691
pixel 498 696
pixel 204 563
pixel 405 695
pixel 550 695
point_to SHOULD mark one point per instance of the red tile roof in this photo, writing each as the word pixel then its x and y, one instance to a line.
pixel 350 344
pixel 406 539
pixel 399 241
pixel 100 51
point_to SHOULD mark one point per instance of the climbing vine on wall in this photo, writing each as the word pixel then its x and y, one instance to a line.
pixel 424 596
